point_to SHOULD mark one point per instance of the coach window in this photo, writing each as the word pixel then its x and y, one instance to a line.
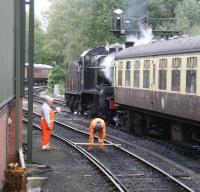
pixel 120 70
pixel 146 74
pixel 136 81
pixel 176 74
pixel 191 75
pixel 127 77
pixel 162 84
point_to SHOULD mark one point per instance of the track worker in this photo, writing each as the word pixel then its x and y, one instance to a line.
pixel 47 122
pixel 97 125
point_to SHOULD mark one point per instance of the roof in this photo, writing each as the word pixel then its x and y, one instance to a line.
pixel 174 46
pixel 41 66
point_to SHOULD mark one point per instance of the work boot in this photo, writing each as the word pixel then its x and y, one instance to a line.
pixel 101 146
pixel 90 146
pixel 45 147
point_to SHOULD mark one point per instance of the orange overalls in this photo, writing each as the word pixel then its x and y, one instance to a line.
pixel 101 133
pixel 46 131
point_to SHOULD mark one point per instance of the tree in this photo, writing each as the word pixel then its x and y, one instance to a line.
pixel 76 25
pixel 189 12
pixel 41 50
pixel 56 77
pixel 163 10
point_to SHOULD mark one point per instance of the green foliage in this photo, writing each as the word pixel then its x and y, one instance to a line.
pixel 76 25
pixel 162 9
pixel 56 77
pixel 189 12
pixel 41 49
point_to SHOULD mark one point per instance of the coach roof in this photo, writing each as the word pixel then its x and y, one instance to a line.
pixel 41 66
pixel 174 46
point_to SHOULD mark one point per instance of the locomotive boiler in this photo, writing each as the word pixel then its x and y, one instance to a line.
pixel 88 90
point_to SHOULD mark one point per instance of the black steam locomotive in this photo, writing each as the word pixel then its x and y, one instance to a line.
pixel 88 90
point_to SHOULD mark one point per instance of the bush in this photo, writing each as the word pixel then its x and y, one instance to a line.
pixel 56 77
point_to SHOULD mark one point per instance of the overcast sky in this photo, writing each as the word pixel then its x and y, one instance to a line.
pixel 41 6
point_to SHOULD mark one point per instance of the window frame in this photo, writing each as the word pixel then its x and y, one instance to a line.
pixel 176 66
pixel 128 70
pixel 136 68
pixel 146 68
pixel 120 71
pixel 163 63
pixel 191 65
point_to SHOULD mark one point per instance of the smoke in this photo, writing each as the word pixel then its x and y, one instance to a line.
pixel 107 66
pixel 137 10
pixel 145 37
pixel 132 9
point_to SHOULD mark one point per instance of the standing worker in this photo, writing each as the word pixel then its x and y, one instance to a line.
pixel 97 125
pixel 47 122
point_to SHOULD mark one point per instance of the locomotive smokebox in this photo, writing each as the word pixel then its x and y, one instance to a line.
pixel 129 44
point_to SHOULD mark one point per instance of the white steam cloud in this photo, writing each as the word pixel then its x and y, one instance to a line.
pixel 145 38
pixel 107 66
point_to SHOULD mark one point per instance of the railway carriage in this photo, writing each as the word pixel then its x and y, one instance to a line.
pixel 40 73
pixel 158 85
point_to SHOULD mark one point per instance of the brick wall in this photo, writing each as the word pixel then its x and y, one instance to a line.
pixel 7 135
pixel 3 135
pixel 11 133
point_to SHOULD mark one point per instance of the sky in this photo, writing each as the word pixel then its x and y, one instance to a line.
pixel 41 6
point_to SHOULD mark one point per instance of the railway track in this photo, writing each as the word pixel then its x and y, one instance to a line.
pixel 40 100
pixel 134 172
pixel 113 182
pixel 181 172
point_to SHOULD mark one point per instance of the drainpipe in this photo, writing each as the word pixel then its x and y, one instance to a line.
pixel 19 63
pixel 30 82
pixel 17 75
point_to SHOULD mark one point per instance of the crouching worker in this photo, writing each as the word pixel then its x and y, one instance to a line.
pixel 47 122
pixel 97 125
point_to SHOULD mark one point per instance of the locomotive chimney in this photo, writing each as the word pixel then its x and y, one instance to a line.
pixel 129 44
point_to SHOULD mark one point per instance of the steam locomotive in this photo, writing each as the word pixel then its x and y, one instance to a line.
pixel 156 87
pixel 88 90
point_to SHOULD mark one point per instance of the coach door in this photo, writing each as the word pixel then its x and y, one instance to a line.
pixel 153 82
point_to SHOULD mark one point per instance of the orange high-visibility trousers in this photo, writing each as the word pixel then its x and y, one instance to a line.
pixel 101 134
pixel 46 132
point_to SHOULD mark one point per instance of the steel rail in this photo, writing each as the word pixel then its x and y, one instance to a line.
pixel 117 183
pixel 141 159
pixel 172 178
